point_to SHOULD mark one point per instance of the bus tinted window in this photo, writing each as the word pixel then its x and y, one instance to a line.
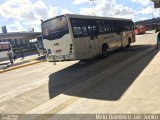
pixel 84 27
pixel 121 27
pixel 126 25
pixel 92 30
pixel 101 26
pixel 84 31
pixel 79 28
pixel 109 26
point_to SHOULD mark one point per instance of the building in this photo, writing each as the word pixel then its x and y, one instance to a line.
pixel 20 39
pixel 150 23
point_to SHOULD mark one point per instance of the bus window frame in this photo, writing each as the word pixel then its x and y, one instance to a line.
pixel 79 23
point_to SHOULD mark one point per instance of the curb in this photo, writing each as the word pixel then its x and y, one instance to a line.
pixel 21 66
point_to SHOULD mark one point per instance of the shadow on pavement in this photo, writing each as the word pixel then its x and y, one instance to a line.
pixel 114 87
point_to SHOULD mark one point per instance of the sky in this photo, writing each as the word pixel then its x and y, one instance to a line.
pixel 22 15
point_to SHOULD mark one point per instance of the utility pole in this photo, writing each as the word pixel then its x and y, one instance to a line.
pixel 94 8
pixel 152 12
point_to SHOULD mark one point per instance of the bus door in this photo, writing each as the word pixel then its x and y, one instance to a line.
pixel 94 43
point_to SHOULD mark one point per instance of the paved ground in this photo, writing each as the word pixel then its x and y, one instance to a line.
pixel 126 82
pixel 18 61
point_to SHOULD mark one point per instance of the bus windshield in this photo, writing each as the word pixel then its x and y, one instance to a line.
pixel 55 28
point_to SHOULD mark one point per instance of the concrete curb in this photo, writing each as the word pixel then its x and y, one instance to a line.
pixel 21 66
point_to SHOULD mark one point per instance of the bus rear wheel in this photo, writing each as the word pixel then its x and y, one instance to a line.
pixel 104 51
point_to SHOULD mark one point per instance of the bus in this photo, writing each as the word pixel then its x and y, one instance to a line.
pixel 139 29
pixel 40 46
pixel 4 48
pixel 77 37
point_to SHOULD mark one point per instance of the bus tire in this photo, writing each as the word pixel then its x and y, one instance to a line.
pixel 104 51
pixel 129 43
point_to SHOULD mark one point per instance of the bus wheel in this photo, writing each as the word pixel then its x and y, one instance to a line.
pixel 104 51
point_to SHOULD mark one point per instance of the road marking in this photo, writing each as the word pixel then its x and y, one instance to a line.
pixel 90 85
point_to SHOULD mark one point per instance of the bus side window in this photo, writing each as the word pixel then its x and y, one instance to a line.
pixel 107 26
pixel 122 26
pixel 101 26
pixel 111 25
pixel 84 31
pixel 77 31
pixel 79 28
pixel 92 31
pixel 116 26
pixel 126 26
pixel 119 25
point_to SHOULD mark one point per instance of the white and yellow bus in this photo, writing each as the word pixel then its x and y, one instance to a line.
pixel 4 48
pixel 77 37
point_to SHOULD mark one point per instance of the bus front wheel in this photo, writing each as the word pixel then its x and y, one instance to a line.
pixel 104 51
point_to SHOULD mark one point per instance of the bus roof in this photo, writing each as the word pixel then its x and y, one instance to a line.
pixel 88 17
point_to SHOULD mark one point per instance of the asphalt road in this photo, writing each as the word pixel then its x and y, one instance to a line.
pixel 120 83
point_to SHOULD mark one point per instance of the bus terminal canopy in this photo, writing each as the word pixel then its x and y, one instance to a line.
pixel 156 3
pixel 20 35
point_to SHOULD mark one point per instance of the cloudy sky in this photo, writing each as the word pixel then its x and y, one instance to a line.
pixel 21 15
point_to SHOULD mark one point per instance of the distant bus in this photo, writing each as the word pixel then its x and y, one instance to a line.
pixel 77 37
pixel 40 46
pixel 4 48
pixel 140 29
